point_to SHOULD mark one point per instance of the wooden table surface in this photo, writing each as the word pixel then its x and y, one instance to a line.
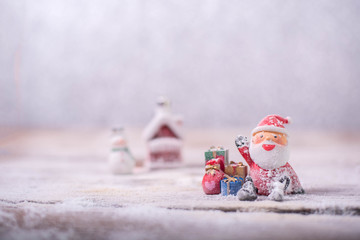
pixel 55 184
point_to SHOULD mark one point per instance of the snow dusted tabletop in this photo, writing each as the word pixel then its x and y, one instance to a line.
pixel 55 184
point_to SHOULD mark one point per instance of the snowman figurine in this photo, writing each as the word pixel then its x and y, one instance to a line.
pixel 120 160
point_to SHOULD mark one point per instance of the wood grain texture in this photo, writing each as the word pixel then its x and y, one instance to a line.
pixel 56 184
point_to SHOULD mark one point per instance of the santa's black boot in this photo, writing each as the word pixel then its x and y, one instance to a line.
pixel 298 191
pixel 247 191
pixel 279 188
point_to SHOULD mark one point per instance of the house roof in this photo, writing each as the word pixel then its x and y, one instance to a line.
pixel 162 118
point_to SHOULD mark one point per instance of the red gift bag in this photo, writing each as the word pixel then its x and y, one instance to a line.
pixel 212 177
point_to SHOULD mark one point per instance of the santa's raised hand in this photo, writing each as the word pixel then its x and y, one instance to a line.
pixel 241 141
pixel 242 144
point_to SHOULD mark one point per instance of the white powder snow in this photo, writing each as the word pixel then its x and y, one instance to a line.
pixel 45 195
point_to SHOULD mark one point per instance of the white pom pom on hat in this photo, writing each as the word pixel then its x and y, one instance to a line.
pixel 272 123
pixel 289 119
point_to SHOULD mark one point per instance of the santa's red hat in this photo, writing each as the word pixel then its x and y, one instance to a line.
pixel 272 123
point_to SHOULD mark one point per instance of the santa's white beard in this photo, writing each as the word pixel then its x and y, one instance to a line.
pixel 269 160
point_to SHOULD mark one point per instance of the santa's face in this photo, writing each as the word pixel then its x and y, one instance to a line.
pixel 269 150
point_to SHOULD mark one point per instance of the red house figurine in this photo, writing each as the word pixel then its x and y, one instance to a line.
pixel 164 138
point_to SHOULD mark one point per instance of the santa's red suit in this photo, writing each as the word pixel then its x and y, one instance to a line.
pixel 263 178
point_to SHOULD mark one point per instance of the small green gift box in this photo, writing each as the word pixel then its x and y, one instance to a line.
pixel 217 152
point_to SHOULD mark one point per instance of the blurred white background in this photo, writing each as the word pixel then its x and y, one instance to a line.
pixel 222 63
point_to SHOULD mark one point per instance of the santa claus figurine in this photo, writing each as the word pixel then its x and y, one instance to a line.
pixel 268 156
